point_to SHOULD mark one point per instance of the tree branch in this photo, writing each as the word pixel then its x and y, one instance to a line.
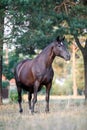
pixel 86 43
pixel 66 4
pixel 78 43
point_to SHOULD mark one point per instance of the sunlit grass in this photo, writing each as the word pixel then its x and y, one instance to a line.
pixel 63 115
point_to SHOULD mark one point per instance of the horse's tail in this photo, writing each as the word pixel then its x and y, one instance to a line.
pixel 16 72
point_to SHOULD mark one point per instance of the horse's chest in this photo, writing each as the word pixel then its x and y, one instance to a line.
pixel 47 76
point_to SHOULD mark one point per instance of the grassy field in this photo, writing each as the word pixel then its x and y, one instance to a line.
pixel 66 113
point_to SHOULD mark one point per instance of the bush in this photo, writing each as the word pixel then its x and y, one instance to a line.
pixel 5 84
pixel 13 96
pixel 64 89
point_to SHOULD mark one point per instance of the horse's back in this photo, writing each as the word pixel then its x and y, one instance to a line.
pixel 19 68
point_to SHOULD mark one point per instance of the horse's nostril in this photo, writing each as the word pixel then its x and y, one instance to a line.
pixel 68 57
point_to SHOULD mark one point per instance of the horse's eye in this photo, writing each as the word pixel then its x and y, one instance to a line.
pixel 59 45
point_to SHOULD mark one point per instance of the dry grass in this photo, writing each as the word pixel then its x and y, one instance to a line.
pixel 65 114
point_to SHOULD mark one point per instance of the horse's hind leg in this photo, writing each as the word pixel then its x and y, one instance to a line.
pixel 19 98
pixel 29 99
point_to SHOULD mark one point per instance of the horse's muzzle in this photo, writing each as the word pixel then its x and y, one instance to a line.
pixel 67 57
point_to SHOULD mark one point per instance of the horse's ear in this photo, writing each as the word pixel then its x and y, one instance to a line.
pixel 63 38
pixel 58 38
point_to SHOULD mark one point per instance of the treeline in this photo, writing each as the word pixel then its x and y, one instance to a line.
pixel 31 25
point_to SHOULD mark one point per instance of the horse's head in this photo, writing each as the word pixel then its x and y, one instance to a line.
pixel 60 49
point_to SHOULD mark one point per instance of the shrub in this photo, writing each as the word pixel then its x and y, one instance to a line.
pixel 5 84
pixel 13 95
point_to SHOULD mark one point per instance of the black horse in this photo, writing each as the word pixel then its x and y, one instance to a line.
pixel 32 74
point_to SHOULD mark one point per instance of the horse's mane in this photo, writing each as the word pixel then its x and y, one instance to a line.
pixel 45 50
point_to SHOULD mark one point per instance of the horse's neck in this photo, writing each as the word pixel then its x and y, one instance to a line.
pixel 48 56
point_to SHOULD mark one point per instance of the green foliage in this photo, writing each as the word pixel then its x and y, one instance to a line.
pixel 13 96
pixel 5 84
pixel 35 24
pixel 8 69
pixel 43 91
pixel 77 19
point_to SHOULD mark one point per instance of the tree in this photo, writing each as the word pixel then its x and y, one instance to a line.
pixel 75 20
pixel 33 25
pixel 4 5
pixel 84 2
pixel 1 47
pixel 84 53
pixel 36 23
pixel 20 14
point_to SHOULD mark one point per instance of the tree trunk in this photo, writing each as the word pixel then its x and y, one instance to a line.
pixel 0 80
pixel 1 48
pixel 84 2
pixel 85 73
pixel 84 53
pixel 74 73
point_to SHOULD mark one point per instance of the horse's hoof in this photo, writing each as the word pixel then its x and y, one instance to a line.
pixel 29 108
pixel 21 110
pixel 32 112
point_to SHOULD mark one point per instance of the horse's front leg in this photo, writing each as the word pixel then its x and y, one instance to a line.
pixel 36 85
pixel 48 87
pixel 29 99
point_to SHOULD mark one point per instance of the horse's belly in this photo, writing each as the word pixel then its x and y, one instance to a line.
pixel 29 88
pixel 27 81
